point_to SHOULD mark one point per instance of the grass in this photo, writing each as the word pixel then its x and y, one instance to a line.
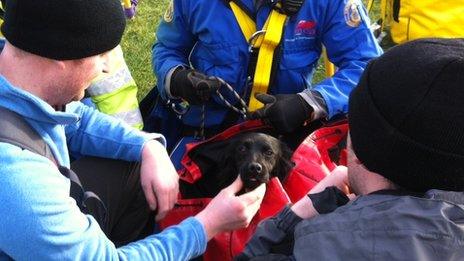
pixel 138 40
pixel 140 36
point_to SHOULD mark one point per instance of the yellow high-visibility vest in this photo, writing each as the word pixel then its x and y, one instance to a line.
pixel 115 94
pixel 413 19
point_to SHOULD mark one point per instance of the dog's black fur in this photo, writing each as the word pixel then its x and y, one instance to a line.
pixel 256 157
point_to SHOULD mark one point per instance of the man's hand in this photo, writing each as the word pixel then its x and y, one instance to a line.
pixel 285 112
pixel 228 212
pixel 193 86
pixel 159 179
pixel 338 178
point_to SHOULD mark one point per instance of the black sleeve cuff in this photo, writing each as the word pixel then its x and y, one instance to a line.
pixel 328 200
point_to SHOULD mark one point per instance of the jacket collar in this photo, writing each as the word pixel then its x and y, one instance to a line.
pixel 31 106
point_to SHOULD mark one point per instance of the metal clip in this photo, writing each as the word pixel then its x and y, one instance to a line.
pixel 180 108
pixel 252 40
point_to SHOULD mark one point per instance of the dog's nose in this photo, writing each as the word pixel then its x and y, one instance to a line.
pixel 255 167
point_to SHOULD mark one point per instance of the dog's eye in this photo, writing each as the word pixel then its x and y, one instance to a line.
pixel 241 148
pixel 269 152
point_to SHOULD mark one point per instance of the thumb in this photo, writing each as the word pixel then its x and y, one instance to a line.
pixel 265 98
pixel 235 187
pixel 253 196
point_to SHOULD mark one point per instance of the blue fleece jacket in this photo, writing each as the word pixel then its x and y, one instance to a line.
pixel 39 221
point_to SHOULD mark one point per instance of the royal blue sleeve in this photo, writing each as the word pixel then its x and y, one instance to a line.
pixel 100 135
pixel 42 222
pixel 174 42
pixel 350 45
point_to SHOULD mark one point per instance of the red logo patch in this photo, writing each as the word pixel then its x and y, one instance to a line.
pixel 305 28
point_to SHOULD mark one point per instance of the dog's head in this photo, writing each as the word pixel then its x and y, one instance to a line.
pixel 258 157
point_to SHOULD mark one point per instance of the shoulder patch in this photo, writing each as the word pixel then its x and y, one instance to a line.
pixel 351 13
pixel 169 14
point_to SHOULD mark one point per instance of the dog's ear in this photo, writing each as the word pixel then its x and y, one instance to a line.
pixel 284 162
pixel 228 168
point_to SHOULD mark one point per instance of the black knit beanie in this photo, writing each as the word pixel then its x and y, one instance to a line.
pixel 64 29
pixel 406 115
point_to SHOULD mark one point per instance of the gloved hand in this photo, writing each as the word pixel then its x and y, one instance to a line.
pixel 285 112
pixel 193 86
pixel 291 7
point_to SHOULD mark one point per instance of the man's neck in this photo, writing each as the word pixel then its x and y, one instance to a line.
pixel 26 72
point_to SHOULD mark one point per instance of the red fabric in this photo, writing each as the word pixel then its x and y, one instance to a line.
pixel 312 163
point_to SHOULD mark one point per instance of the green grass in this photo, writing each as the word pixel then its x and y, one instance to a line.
pixel 138 40
pixel 140 36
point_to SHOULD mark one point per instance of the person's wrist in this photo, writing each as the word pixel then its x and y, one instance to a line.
pixel 210 228
pixel 151 148
pixel 304 208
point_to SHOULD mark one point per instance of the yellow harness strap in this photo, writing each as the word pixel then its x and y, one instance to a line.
pixel 266 42
pixel 274 29
pixel 247 25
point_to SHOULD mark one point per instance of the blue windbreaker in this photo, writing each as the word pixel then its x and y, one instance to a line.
pixel 40 221
pixel 205 35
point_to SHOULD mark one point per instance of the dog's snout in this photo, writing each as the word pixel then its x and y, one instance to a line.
pixel 255 167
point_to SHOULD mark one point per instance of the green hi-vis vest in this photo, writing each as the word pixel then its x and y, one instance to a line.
pixel 115 94
pixel 413 19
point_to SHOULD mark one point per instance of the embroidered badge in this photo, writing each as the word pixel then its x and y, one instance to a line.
pixel 351 13
pixel 305 28
pixel 169 14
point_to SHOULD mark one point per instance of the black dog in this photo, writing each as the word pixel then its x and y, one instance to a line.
pixel 256 157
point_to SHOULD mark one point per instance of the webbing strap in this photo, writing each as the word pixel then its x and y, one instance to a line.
pixel 247 25
pixel 266 42
pixel 274 29
pixel 15 130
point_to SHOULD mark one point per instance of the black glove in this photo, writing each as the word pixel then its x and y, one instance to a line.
pixel 291 7
pixel 285 112
pixel 193 86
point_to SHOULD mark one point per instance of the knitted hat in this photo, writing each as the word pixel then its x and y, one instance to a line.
pixel 406 115
pixel 64 29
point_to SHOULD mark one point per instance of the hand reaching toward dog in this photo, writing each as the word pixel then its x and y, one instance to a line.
pixel 228 212
pixel 159 179
pixel 304 208
pixel 338 178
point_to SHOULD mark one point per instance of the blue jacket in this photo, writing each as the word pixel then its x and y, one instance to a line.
pixel 39 220
pixel 204 34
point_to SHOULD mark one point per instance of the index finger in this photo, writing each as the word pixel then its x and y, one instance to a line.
pixel 163 205
pixel 149 196
pixel 251 197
